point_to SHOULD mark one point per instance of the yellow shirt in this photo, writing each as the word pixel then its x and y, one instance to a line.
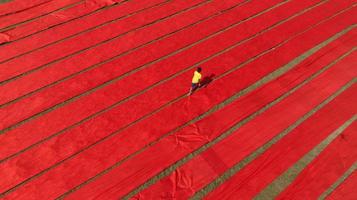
pixel 196 77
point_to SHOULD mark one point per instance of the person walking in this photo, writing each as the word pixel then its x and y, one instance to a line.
pixel 196 80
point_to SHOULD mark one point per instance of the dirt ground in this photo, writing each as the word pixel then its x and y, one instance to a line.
pixel 4 1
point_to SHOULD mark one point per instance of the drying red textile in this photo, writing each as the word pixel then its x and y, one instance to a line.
pixel 55 121
pixel 57 18
pixel 327 167
pixel 46 76
pixel 75 27
pixel 347 189
pixel 33 12
pixel 93 49
pixel 15 6
pixel 225 61
pixel 252 179
pixel 207 97
pixel 199 171
pixel 4 37
pixel 139 168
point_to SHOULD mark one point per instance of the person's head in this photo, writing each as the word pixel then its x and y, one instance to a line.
pixel 199 69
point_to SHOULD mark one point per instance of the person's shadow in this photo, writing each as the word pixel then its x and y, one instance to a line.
pixel 207 80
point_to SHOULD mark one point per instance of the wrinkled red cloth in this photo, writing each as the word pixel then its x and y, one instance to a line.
pixel 4 38
pixel 101 3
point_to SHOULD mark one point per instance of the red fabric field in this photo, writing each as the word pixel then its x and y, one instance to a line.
pixel 116 87
pixel 248 182
pixel 347 189
pixel 19 6
pixel 199 169
pixel 36 11
pixel 86 130
pixel 93 97
pixel 74 12
pixel 58 51
pixel 90 101
pixel 32 85
pixel 309 183
pixel 65 84
pixel 136 170
pixel 12 49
